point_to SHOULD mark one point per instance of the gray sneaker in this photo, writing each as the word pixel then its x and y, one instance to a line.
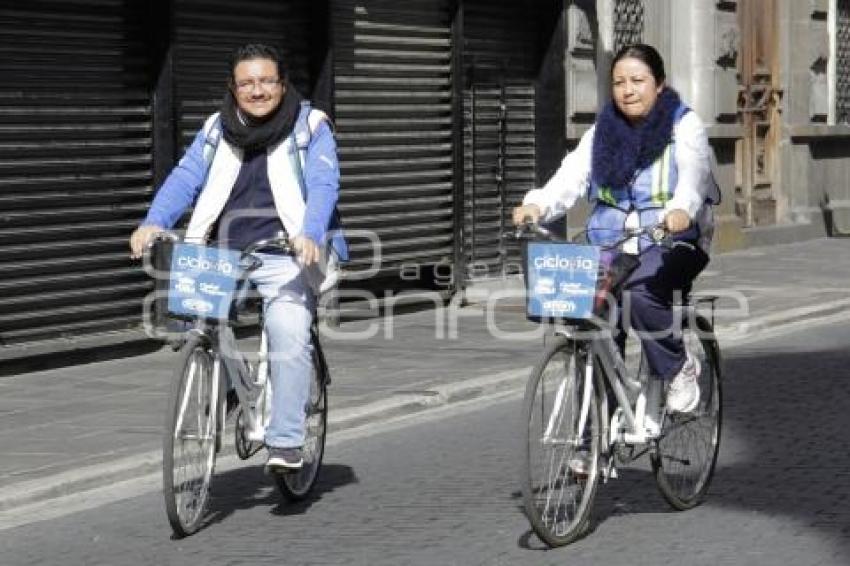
pixel 580 463
pixel 284 459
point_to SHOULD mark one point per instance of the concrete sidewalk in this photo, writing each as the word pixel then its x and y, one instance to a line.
pixel 72 429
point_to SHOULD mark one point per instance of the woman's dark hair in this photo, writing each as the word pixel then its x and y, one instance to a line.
pixel 645 53
pixel 251 51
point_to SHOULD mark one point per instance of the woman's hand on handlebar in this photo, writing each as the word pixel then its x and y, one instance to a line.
pixel 140 238
pixel 677 220
pixel 526 213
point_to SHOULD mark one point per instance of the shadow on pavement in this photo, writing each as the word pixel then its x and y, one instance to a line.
pixel 249 487
pixel 783 449
pixel 787 426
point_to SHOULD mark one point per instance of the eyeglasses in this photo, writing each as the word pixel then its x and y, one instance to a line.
pixel 266 83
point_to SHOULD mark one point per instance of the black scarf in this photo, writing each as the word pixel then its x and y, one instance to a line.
pixel 250 134
pixel 620 149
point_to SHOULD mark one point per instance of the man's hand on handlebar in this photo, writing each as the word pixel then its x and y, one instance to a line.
pixel 140 238
pixel 307 250
pixel 526 213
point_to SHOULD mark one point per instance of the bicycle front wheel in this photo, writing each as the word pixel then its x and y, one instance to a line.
pixel 189 443
pixel 560 445
pixel 686 454
pixel 296 485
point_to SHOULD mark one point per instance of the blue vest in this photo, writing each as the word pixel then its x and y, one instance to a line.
pixel 647 194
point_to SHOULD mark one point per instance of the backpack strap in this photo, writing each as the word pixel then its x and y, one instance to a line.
pixel 211 145
pixel 303 134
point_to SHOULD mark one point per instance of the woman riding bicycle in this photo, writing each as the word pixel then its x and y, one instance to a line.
pixel 646 161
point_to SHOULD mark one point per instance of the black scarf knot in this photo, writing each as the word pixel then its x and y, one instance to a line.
pixel 255 135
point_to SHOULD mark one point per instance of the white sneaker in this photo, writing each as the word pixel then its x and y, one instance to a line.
pixel 651 425
pixel 683 391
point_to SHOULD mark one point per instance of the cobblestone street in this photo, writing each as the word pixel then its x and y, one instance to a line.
pixel 441 489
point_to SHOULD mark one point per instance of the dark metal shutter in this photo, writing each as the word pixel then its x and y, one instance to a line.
pixel 207 31
pixel 75 166
pixel 500 62
pixel 393 105
pixel 842 62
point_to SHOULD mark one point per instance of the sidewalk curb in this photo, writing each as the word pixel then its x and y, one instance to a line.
pixel 753 329
pixel 79 480
pixel 82 479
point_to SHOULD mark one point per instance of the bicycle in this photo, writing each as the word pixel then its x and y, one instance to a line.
pixel 566 416
pixel 210 361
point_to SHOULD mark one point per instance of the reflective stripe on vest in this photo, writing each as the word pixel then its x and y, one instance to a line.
pixel 661 192
pixel 606 196
pixel 652 187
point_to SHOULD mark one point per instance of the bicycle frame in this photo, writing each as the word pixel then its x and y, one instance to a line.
pixel 251 389
pixel 575 436
pixel 629 391
pixel 225 351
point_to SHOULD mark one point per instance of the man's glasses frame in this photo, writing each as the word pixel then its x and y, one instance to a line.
pixel 266 83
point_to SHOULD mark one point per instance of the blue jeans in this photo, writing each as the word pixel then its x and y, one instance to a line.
pixel 288 306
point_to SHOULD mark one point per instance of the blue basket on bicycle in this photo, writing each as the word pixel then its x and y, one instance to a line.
pixel 202 281
pixel 561 280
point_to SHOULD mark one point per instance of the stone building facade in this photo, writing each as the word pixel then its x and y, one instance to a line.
pixel 770 79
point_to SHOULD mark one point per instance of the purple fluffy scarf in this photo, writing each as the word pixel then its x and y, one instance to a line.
pixel 620 150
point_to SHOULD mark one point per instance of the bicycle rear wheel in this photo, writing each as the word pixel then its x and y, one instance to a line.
pixel 189 443
pixel 296 485
pixel 561 420
pixel 687 449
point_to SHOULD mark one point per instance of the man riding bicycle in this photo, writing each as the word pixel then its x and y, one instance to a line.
pixel 265 164
pixel 645 161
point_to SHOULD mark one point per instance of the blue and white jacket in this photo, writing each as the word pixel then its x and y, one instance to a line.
pixel 208 185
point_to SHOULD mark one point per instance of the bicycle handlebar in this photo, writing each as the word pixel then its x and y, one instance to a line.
pixel 658 233
pixel 249 260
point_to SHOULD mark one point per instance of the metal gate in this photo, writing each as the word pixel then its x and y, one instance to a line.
pixel 393 107
pixel 75 166
pixel 758 104
pixel 842 62
pixel 499 128
pixel 500 169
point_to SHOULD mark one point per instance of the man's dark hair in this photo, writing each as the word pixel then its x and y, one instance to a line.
pixel 645 53
pixel 251 51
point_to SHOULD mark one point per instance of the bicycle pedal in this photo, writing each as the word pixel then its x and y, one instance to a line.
pixel 273 471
